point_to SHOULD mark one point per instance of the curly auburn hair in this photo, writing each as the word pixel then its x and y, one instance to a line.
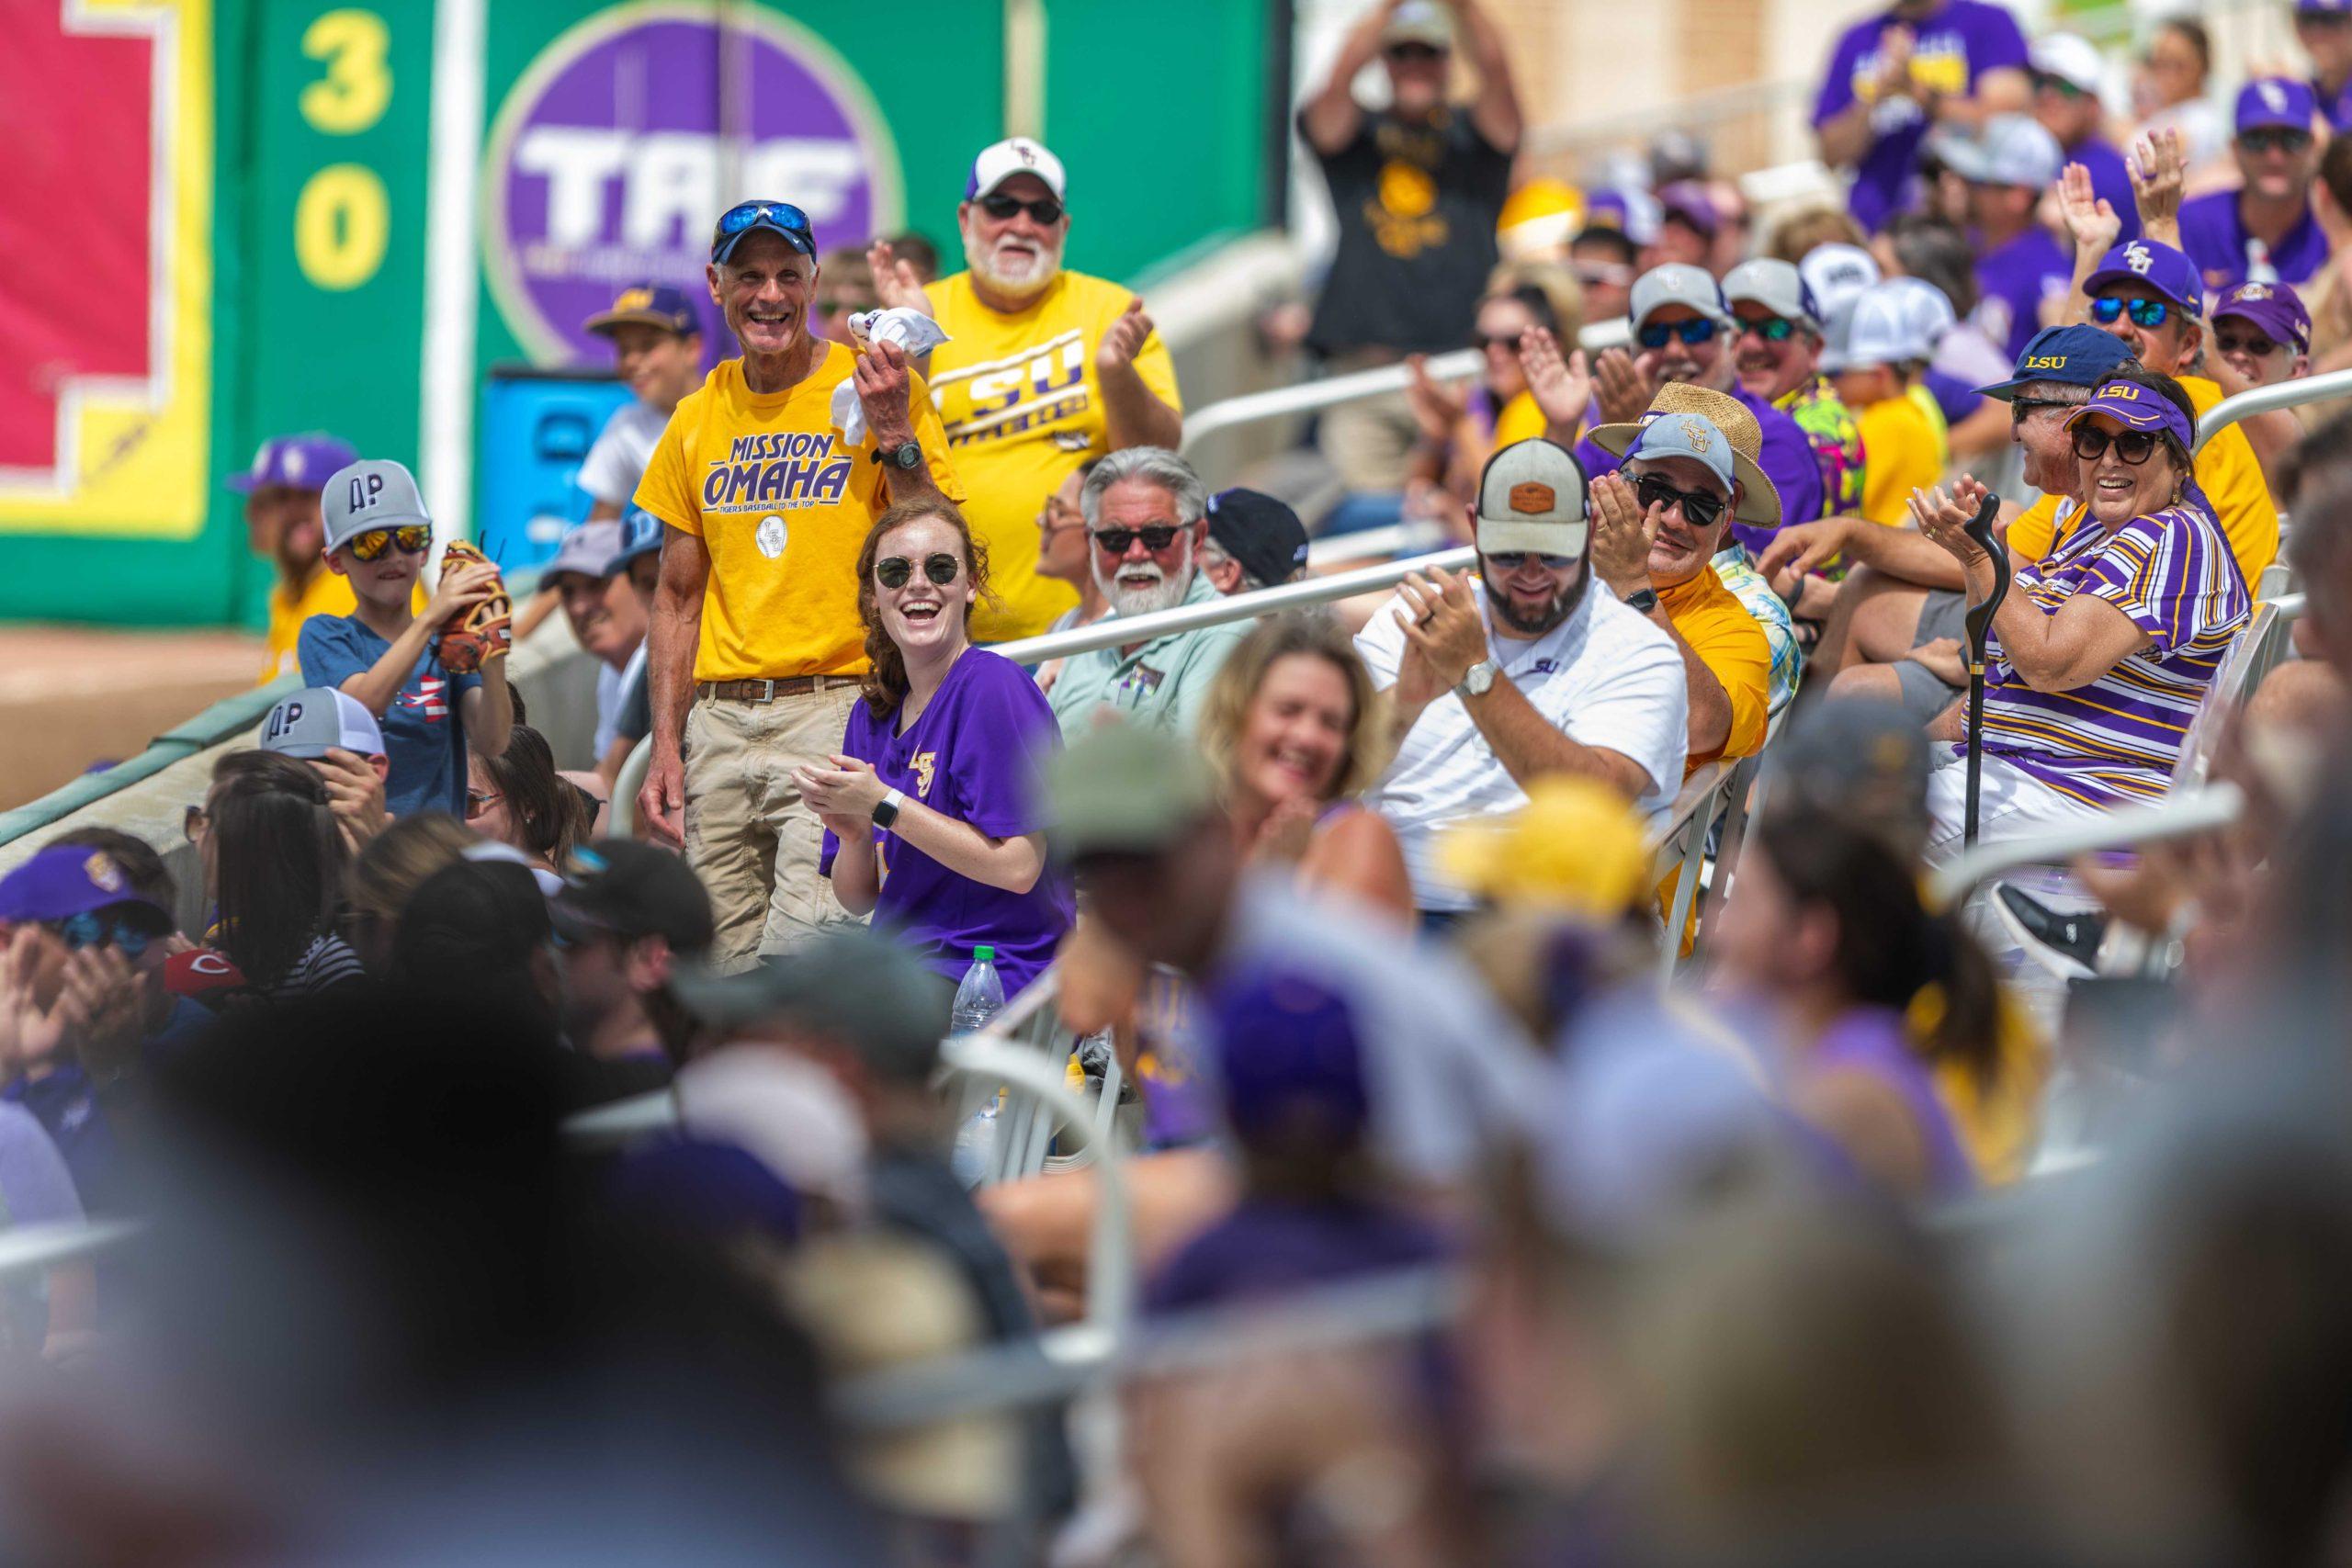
pixel 886 683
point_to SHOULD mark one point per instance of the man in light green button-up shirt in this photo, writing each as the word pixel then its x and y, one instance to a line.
pixel 1146 518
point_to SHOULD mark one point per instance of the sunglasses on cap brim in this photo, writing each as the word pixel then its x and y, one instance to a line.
pixel 779 216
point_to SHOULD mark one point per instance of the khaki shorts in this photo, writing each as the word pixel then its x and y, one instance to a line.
pixel 749 835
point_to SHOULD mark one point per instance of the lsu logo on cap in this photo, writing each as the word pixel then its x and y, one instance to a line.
pixel 635 299
pixel 2255 292
pixel 1695 432
pixel 2274 96
pixel 2044 362
pixel 2138 257
pixel 103 872
pixel 1533 499
pixel 2119 393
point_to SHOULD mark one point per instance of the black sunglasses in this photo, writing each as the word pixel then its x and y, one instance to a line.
pixel 998 206
pixel 2274 139
pixel 2134 446
pixel 1699 511
pixel 2255 343
pixel 896 572
pixel 1771 329
pixel 2020 407
pixel 1423 51
pixel 1115 541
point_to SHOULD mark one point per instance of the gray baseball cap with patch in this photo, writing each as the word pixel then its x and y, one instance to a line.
pixel 1532 497
pixel 374 493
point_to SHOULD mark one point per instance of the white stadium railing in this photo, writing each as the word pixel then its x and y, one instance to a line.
pixel 2269 399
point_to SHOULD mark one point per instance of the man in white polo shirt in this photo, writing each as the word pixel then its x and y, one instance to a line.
pixel 1524 670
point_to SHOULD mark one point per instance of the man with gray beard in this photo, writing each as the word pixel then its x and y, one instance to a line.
pixel 1042 369
pixel 1147 517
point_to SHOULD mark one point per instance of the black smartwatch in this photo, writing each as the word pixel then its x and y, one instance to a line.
pixel 886 811
pixel 906 457
pixel 1644 600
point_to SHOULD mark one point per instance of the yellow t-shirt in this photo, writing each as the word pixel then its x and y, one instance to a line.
pixel 784 507
pixel 2227 471
pixel 1022 405
pixel 327 594
pixel 1521 420
pixel 1731 644
pixel 1901 452
pixel 1924 401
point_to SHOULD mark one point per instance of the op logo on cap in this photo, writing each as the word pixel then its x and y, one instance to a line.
pixel 1532 498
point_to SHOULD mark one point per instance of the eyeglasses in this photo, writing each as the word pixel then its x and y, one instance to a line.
pixel 2143 313
pixel 1512 561
pixel 1115 541
pixel 94 928
pixel 1000 206
pixel 1696 331
pixel 480 800
pixel 413 539
pixel 896 572
pixel 1413 52
pixel 2274 139
pixel 1771 329
pixel 2019 408
pixel 1698 511
pixel 1507 342
pixel 2134 446
pixel 2255 344
pixel 776 214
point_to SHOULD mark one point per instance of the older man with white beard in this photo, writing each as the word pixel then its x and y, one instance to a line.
pixel 1146 515
pixel 1042 369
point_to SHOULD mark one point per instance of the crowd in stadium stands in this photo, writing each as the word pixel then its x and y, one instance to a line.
pixel 1856 1244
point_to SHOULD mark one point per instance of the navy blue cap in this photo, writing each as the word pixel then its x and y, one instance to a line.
pixel 1290 1058
pixel 65 880
pixel 649 304
pixel 640 536
pixel 298 462
pixel 2274 101
pixel 2167 271
pixel 2077 356
pixel 1260 531
pixel 779 218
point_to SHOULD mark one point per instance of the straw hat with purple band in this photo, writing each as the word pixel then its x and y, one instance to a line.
pixel 2137 408
pixel 1532 498
pixel 296 462
pixel 1759 503
pixel 2161 267
pixel 649 304
pixel 2274 307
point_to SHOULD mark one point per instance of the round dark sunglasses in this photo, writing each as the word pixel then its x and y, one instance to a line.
pixel 2143 313
pixel 896 572
pixel 2134 446
pixel 1698 511
pixel 1697 330
pixel 1045 209
pixel 1115 541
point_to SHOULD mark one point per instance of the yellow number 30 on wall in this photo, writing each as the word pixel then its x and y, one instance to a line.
pixel 342 218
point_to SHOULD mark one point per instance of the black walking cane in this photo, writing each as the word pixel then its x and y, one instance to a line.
pixel 1979 622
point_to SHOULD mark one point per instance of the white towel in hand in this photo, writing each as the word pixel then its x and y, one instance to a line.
pixel 914 332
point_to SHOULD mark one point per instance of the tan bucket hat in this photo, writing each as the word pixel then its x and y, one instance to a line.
pixel 1759 503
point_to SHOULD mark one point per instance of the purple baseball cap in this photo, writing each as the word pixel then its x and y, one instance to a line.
pixel 2161 267
pixel 2137 408
pixel 1687 203
pixel 2274 101
pixel 649 304
pixel 298 462
pixel 1290 1057
pixel 2274 307
pixel 65 880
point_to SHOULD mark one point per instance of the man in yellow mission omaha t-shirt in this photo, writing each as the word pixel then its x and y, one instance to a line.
pixel 757 649
pixel 1042 369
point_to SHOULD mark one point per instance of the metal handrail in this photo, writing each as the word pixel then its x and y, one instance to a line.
pixel 2183 817
pixel 1369 544
pixel 2270 399
pixel 1114 631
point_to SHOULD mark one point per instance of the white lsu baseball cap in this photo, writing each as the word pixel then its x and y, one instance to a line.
pixel 1001 161
pixel 1532 497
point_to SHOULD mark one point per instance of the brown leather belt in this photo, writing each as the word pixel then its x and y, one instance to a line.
pixel 768 691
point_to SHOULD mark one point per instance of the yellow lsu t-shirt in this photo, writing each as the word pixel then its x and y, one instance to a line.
pixel 1021 406
pixel 1521 420
pixel 1903 452
pixel 2227 471
pixel 783 504
pixel 327 594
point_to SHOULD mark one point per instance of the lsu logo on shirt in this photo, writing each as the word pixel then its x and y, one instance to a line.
pixel 1938 65
pixel 778 471
pixel 925 764
pixel 1025 393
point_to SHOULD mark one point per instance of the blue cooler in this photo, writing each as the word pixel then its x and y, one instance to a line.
pixel 536 427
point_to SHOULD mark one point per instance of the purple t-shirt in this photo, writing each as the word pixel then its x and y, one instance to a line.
pixel 1872 1041
pixel 969 755
pixel 1955 399
pixel 2335 106
pixel 1266 1247
pixel 2012 282
pixel 1953 48
pixel 2110 182
pixel 2216 240
pixel 1786 457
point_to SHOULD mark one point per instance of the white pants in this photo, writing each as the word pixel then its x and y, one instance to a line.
pixel 2011 803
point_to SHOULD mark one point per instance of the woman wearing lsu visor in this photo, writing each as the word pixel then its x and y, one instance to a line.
pixel 2102 651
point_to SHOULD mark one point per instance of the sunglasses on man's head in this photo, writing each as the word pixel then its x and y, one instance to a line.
pixel 2143 313
pixel 896 572
pixel 1512 561
pixel 93 929
pixel 1000 206
pixel 413 539
pixel 2274 139
pixel 1697 330
pixel 2134 446
pixel 1698 510
pixel 742 215
pixel 1115 541
pixel 1771 329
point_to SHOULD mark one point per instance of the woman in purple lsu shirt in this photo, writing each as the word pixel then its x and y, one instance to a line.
pixel 929 823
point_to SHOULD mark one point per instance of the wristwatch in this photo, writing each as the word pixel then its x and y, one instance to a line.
pixel 886 811
pixel 907 454
pixel 1479 679
pixel 1644 600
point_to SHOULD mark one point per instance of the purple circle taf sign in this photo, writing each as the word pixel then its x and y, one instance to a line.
pixel 631 133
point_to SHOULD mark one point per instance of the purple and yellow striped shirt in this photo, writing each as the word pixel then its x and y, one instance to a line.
pixel 2115 741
